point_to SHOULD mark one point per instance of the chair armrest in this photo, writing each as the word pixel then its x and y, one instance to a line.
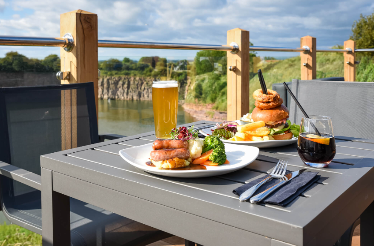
pixel 109 137
pixel 21 175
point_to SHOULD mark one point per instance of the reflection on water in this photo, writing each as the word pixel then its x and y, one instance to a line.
pixel 131 117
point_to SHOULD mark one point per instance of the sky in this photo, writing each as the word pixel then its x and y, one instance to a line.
pixel 276 23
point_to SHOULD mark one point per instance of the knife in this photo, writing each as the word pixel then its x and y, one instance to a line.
pixel 248 193
pixel 258 198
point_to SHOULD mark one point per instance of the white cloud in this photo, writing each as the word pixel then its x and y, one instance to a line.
pixel 2 5
pixel 271 23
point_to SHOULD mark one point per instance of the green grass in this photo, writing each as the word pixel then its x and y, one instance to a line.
pixel 328 65
pixel 13 235
pixel 214 87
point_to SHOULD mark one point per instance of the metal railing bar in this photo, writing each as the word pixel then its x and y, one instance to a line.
pixel 65 41
pixel 364 50
pixel 158 45
pixel 32 41
pixel 332 50
pixel 284 49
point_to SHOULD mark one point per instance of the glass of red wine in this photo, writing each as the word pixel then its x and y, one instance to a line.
pixel 316 143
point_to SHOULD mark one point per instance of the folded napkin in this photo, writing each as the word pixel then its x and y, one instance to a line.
pixel 285 194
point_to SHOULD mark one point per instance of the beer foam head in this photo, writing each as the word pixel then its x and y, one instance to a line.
pixel 165 84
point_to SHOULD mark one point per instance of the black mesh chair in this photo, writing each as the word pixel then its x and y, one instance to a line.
pixel 349 104
pixel 38 120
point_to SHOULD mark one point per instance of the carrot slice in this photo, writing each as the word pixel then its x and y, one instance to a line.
pixel 203 158
pixel 209 163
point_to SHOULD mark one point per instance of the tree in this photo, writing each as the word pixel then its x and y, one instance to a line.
pixel 338 47
pixel 252 53
pixel 205 59
pixel 14 62
pixel 126 60
pixel 363 33
pixel 52 63
pixel 111 64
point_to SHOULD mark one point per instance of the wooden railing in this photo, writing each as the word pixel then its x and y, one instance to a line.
pixel 79 55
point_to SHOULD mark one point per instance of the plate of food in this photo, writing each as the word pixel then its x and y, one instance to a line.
pixel 192 158
pixel 267 126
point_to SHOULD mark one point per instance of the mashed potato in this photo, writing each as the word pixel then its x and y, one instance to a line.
pixel 195 147
pixel 171 163
pixel 247 118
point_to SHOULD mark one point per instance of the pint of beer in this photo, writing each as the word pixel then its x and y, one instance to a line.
pixel 165 107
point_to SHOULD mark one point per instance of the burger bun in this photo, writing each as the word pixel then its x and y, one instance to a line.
pixel 270 115
pixel 285 136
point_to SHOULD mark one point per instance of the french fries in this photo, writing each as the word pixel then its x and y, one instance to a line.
pixel 259 132
pixel 250 126
pixel 255 131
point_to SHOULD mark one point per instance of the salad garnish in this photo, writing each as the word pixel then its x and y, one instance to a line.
pixel 225 130
pixel 184 133
pixel 295 129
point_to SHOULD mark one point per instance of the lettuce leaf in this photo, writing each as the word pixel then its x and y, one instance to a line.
pixel 295 129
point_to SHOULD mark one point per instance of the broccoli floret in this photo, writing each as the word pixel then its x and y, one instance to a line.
pixel 218 155
pixel 212 142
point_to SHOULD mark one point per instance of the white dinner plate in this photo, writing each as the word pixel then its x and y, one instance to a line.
pixel 239 157
pixel 258 144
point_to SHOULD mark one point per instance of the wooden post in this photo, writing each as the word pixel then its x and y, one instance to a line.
pixel 308 60
pixel 238 78
pixel 349 61
pixel 82 63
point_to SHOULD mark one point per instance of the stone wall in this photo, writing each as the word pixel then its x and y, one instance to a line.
pixel 8 79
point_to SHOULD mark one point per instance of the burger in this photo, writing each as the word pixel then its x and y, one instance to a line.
pixel 276 120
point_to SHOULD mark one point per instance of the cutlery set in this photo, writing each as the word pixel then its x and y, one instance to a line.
pixel 279 172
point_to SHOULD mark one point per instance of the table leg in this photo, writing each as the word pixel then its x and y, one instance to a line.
pixel 189 243
pixel 367 226
pixel 55 213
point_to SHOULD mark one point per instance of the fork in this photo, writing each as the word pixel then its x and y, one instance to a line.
pixel 278 172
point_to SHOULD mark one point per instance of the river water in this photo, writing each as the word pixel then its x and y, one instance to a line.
pixel 131 117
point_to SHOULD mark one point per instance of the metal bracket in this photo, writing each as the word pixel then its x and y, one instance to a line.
pixel 63 75
pixel 232 68
pixel 235 48
pixel 304 64
pixel 306 49
pixel 349 50
pixel 69 42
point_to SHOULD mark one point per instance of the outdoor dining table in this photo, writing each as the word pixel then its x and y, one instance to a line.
pixel 205 210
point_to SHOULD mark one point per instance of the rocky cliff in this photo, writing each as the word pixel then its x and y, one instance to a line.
pixel 125 88
pixel 10 79
pixel 130 88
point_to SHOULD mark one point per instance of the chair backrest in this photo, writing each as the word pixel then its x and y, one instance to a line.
pixel 279 87
pixel 40 120
pixel 349 104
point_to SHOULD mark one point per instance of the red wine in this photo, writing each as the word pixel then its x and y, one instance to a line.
pixel 316 150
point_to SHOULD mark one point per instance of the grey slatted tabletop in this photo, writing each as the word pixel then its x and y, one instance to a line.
pixel 205 210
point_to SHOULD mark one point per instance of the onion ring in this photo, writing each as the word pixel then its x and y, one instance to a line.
pixel 269 105
pixel 265 98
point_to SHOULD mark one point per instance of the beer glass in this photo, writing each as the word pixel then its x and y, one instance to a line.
pixel 165 107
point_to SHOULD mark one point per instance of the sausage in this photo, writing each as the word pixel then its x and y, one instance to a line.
pixel 166 154
pixel 170 144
